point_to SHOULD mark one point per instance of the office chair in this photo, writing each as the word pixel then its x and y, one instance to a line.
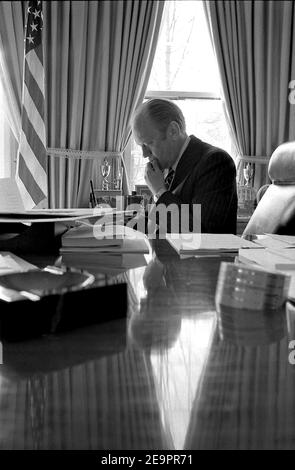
pixel 275 212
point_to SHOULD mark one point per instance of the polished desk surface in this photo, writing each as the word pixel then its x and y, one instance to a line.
pixel 174 375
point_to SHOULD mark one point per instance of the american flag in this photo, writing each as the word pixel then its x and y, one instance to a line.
pixel 31 162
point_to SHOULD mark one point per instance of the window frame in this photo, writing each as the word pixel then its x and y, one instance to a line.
pixel 175 95
pixel 182 95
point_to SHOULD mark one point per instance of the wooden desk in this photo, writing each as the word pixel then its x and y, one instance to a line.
pixel 163 379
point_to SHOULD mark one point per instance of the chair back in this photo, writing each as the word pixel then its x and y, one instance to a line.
pixel 276 209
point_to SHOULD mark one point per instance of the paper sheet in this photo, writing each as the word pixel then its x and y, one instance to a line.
pixel 10 263
pixel 283 239
pixel 276 242
pixel 198 243
pixel 10 197
pixel 56 215
pixel 12 208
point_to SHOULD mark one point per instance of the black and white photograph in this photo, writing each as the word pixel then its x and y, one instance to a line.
pixel 147 229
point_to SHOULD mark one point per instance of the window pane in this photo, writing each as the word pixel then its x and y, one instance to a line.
pixel 185 62
pixel 205 119
pixel 184 58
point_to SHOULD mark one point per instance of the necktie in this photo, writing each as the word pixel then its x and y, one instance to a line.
pixel 169 178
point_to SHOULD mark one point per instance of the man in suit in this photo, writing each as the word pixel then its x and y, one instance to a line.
pixel 184 170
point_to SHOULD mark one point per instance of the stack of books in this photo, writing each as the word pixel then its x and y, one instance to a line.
pixel 93 246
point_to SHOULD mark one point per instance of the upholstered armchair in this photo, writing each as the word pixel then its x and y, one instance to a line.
pixel 275 212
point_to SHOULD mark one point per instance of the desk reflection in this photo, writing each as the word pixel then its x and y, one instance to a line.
pixel 251 327
pixel 174 340
pixel 248 387
pixel 151 327
pixel 105 402
pixel 175 374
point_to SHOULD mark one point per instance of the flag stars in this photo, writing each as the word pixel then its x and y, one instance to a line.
pixel 34 26
pixel 36 13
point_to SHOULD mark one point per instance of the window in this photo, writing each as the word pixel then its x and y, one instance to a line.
pixel 185 69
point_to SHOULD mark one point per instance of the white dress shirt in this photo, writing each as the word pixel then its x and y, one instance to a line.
pixel 173 167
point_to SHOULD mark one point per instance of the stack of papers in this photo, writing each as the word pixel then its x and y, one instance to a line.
pixel 208 243
pixel 104 262
pixel 12 208
pixel 86 236
pixel 111 247
pixel 275 242
pixel 278 255
pixel 55 215
pixel 270 259
pixel 279 252
pixel 111 239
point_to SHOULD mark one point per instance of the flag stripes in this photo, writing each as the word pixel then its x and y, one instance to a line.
pixel 33 123
pixel 32 163
pixel 30 183
pixel 36 94
pixel 39 53
pixel 32 159
pixel 35 67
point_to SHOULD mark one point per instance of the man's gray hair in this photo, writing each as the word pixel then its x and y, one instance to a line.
pixel 161 112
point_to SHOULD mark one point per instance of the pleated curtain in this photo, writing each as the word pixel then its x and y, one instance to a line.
pixel 97 58
pixel 254 42
pixel 12 17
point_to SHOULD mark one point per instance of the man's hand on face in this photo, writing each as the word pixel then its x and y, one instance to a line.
pixel 154 177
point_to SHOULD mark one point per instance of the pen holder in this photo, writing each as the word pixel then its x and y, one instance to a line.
pixel 250 288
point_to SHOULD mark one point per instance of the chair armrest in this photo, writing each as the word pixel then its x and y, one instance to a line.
pixel 261 192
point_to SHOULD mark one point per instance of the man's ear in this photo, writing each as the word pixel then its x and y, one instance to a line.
pixel 173 130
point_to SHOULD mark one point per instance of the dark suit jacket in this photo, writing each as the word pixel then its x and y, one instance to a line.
pixel 206 175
